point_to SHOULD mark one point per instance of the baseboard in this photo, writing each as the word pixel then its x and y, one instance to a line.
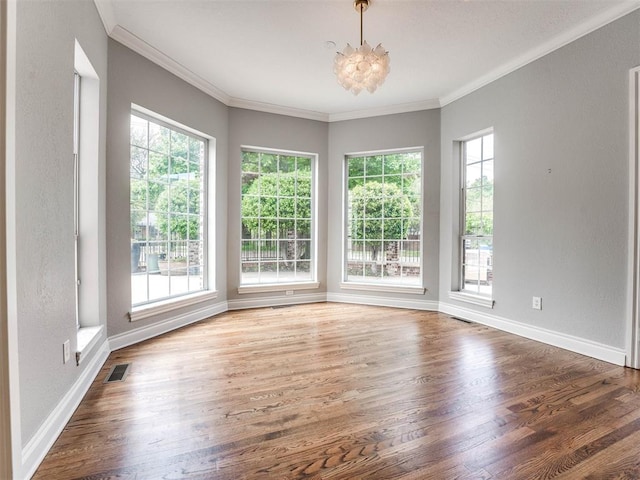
pixel 34 452
pixel 242 304
pixel 141 334
pixel 579 345
pixel 428 305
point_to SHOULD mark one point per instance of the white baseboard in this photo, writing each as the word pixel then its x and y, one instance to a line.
pixel 140 334
pixel 606 353
pixel 242 304
pixel 429 305
pixel 34 452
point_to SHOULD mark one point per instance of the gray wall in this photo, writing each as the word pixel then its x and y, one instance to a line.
pixel 561 184
pixel 133 79
pixel 43 204
pixel 278 132
pixel 417 129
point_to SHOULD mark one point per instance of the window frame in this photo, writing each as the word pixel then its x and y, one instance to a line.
pixel 377 285
pixel 463 293
pixel 287 286
pixel 169 303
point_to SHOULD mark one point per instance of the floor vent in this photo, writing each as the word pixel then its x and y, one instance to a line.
pixel 118 373
pixel 462 320
pixel 274 307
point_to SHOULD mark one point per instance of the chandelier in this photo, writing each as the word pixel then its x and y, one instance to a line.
pixel 361 68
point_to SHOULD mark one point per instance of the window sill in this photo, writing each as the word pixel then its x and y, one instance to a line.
pixel 87 339
pixel 374 287
pixel 471 298
pixel 156 308
pixel 277 287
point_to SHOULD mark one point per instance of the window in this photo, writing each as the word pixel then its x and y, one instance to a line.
pixel 278 218
pixel 76 187
pixel 383 212
pixel 168 211
pixel 476 241
pixel 88 195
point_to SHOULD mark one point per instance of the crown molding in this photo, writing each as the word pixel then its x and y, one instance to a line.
pixel 612 14
pixel 278 109
pixel 387 110
pixel 107 15
pixel 141 47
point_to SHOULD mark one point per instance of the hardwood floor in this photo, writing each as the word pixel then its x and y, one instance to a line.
pixel 338 391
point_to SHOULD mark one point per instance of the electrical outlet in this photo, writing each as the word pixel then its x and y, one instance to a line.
pixel 537 303
pixel 289 292
pixel 66 351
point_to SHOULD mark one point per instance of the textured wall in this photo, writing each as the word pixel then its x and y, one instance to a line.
pixel 43 205
pixel 561 184
pixel 133 79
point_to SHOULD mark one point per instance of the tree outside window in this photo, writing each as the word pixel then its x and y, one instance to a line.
pixel 384 205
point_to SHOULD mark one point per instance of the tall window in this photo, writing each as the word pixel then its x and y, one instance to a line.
pixel 476 241
pixel 168 211
pixel 277 211
pixel 384 210
pixel 76 187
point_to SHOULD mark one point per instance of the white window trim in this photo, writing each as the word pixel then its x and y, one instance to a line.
pixel 87 339
pixel 244 288
pixel 277 287
pixel 481 301
pixel 389 288
pixel 462 295
pixel 164 306
pixel 374 285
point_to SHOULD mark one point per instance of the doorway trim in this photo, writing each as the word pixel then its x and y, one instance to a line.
pixel 633 329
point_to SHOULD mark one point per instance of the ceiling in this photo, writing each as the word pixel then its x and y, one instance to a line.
pixel 276 55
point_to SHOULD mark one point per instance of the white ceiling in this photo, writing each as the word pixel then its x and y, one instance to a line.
pixel 272 55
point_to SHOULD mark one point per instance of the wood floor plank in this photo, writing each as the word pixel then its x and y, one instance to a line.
pixel 340 391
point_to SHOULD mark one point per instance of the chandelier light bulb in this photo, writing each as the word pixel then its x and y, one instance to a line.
pixel 361 68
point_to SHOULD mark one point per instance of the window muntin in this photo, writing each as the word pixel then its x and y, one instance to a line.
pixel 278 220
pixel 384 218
pixel 476 241
pixel 168 198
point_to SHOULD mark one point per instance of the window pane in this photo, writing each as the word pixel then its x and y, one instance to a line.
pixel 139 132
pixel 473 151
pixel 158 138
pixel 487 147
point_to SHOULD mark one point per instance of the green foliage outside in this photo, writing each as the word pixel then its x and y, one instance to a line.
pixel 160 160
pixel 273 201
pixel 369 204
pixel 183 197
pixel 479 207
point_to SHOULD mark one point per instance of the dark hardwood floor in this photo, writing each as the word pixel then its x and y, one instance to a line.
pixel 338 391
